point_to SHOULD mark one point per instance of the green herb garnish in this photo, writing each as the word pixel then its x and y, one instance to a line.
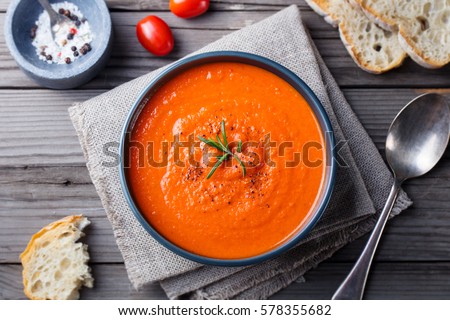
pixel 223 146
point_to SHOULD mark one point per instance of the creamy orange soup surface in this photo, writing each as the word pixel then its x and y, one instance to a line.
pixel 229 215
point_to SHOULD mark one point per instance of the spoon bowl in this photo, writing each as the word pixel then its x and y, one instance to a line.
pixel 416 141
pixel 418 136
pixel 56 19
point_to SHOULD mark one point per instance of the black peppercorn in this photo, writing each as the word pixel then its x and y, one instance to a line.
pixel 83 20
pixel 49 57
pixel 76 54
pixel 70 36
pixel 83 50
pixel 67 13
pixel 78 23
pixel 68 60
pixel 33 32
pixel 73 48
pixel 88 47
pixel 61 11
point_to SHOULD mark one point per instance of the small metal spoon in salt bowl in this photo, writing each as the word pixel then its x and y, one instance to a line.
pixel 416 141
pixel 56 19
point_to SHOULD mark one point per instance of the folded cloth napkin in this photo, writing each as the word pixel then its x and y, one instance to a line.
pixel 362 184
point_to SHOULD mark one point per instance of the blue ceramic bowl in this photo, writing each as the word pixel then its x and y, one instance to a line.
pixel 21 17
pixel 275 68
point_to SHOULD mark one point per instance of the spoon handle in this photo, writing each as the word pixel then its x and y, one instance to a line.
pixel 353 286
pixel 51 12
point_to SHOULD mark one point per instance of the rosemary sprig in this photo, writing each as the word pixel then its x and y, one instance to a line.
pixel 223 146
pixel 218 163
pixel 224 135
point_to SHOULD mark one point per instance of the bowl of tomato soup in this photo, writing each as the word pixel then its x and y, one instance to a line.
pixel 226 158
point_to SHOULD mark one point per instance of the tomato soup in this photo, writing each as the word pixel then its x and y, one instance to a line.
pixel 271 131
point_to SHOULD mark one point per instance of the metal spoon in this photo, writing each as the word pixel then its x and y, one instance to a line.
pixel 416 141
pixel 56 19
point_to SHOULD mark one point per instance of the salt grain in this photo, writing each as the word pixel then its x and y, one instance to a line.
pixel 76 34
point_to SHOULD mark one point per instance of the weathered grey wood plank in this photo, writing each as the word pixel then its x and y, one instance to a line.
pixel 190 30
pixel 130 60
pixel 416 235
pixel 61 186
pixel 140 5
pixel 111 282
pixel 35 128
pixel 34 196
pixel 386 281
pixel 15 232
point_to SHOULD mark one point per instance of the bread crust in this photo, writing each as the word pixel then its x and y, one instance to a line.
pixel 379 19
pixel 418 52
pixel 322 8
pixel 325 9
pixel 345 38
pixel 417 55
pixel 79 221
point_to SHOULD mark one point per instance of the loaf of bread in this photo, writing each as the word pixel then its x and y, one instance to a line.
pixel 423 27
pixel 374 49
pixel 54 263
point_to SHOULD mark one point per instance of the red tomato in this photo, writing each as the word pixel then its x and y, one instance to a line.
pixel 155 35
pixel 188 8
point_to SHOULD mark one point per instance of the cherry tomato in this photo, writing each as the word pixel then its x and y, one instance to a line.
pixel 155 35
pixel 188 8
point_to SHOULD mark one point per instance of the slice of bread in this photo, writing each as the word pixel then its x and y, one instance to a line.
pixel 381 12
pixel 373 49
pixel 424 31
pixel 327 9
pixel 54 263
pixel 423 27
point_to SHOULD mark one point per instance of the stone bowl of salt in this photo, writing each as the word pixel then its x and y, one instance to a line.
pixel 77 52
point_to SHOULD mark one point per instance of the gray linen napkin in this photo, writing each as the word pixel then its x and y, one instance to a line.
pixel 362 184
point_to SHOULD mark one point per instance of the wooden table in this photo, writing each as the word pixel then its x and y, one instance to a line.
pixel 43 175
